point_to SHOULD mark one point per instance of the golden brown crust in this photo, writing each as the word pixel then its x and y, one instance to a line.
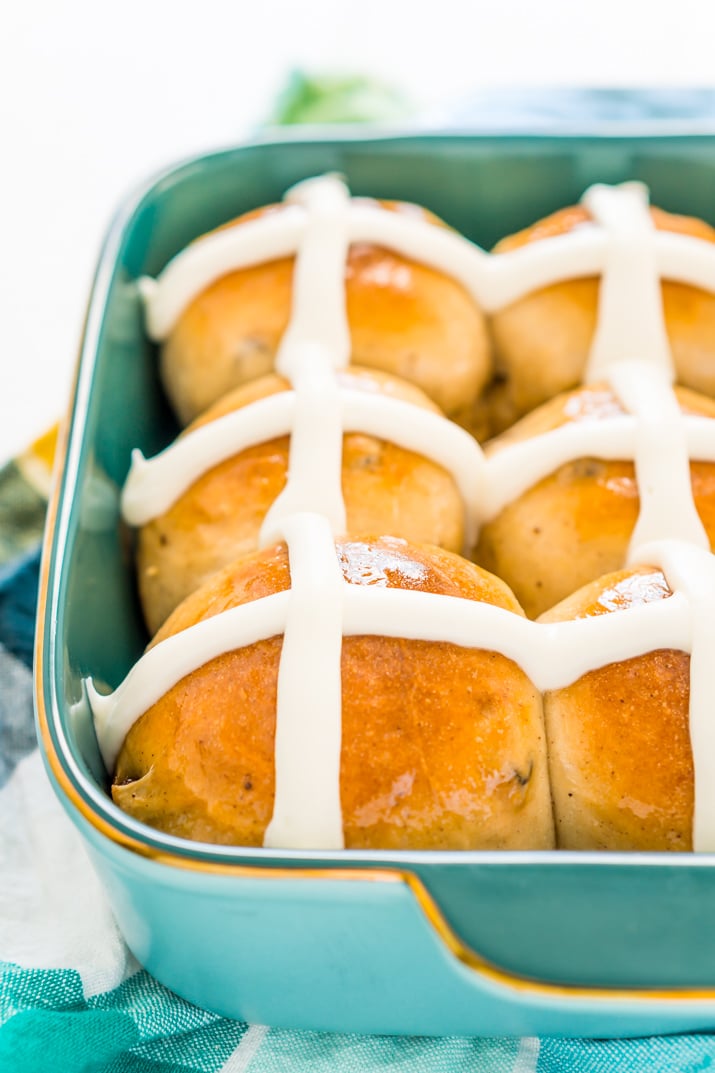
pixel 542 341
pixel 620 759
pixel 565 220
pixel 575 525
pixel 442 747
pixel 386 489
pixel 405 318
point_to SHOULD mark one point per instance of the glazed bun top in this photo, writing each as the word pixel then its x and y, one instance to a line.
pixel 376 561
pixel 565 220
pixel 381 562
pixel 404 317
pixel 207 498
pixel 440 747
pixel 632 587
pixel 571 514
pixel 561 331
pixel 355 378
pixel 591 402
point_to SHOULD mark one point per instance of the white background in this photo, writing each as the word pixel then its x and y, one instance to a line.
pixel 93 97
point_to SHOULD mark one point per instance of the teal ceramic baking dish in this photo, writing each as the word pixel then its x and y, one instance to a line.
pixel 420 943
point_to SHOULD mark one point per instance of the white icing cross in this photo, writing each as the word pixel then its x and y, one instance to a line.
pixel 662 461
pixel 631 323
pixel 486 484
pixel 307 810
pixel 153 486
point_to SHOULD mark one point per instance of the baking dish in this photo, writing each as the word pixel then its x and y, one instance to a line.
pixel 416 943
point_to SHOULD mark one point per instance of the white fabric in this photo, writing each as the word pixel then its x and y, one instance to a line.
pixel 240 1059
pixel 53 911
pixel 527 1056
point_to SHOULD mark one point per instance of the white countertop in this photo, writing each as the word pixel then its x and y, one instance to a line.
pixel 94 98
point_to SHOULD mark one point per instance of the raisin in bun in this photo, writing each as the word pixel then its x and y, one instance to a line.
pixel 620 758
pixel 405 318
pixel 386 488
pixel 542 341
pixel 442 746
pixel 576 523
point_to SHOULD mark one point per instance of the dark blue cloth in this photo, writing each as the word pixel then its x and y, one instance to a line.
pixel 18 603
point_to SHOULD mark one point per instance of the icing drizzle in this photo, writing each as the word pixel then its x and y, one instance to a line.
pixel 494 281
pixel 486 484
pixel 307 808
pixel 627 329
pixel 630 349
pixel 154 485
